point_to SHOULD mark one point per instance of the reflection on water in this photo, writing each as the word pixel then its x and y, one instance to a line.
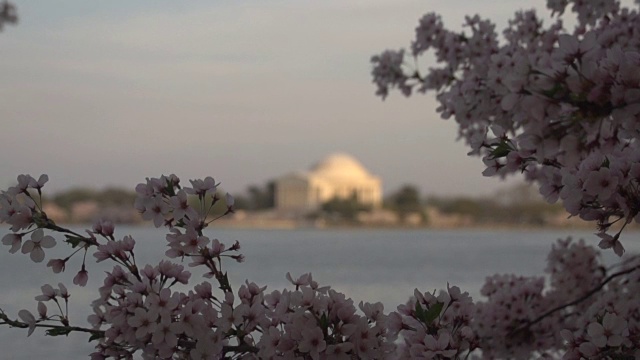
pixel 368 265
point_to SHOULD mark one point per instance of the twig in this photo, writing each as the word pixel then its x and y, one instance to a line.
pixel 19 324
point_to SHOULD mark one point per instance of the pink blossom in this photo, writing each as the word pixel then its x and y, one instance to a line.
pixel 166 332
pixel 387 73
pixel 601 183
pixel 48 293
pixel 21 217
pixel 609 241
pixel 40 183
pixel 81 277
pixel 144 322
pixel 609 333
pixel 57 265
pixel 28 318
pixel 25 182
pixel 62 291
pixel 201 187
pixel 179 205
pixel 588 349
pixel 103 227
pixel 304 279
pixel 230 201
pixel 163 302
pixel 339 351
pixel 42 310
pixel 312 342
pixel 14 240
pixel 36 244
pixel 438 346
pixel 155 209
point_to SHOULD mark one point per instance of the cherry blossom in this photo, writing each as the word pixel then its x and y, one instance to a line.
pixel 28 318
pixel 39 183
pixel 312 342
pixel 560 106
pixel 48 293
pixel 14 240
pixel 201 187
pixel 81 277
pixel 609 333
pixel 566 103
pixel 57 265
pixel 609 241
pixel 42 310
pixel 104 227
pixel 34 246
pixel 144 322
pixel 139 312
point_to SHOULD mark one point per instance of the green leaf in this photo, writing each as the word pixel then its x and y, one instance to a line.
pixel 94 337
pixel 501 150
pixel 324 321
pixel 74 241
pixel 553 91
pixel 58 331
pixel 420 314
pixel 433 312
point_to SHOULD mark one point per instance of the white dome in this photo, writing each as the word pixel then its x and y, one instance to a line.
pixel 340 167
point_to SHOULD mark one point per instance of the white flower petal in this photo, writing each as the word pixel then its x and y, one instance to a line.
pixel 37 254
pixel 48 242
pixel 28 246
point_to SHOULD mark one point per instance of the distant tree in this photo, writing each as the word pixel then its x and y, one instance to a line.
pixel 8 14
pixel 346 209
pixel 67 198
pixel 242 202
pixel 261 198
pixel 104 198
pixel 460 205
pixel 116 196
pixel 506 207
pixel 406 201
pixel 519 193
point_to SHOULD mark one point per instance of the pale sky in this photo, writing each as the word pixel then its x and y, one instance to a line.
pixel 98 93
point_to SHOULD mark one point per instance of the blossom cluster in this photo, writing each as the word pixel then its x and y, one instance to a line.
pixel 610 327
pixel 319 322
pixel 586 311
pixel 520 318
pixel 561 106
pixel 142 309
pixel 435 327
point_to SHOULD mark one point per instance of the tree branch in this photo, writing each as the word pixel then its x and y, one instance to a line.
pixel 582 298
pixel 4 320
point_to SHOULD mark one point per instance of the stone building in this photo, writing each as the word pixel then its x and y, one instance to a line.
pixel 337 176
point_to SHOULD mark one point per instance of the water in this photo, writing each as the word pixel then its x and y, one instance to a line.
pixel 369 265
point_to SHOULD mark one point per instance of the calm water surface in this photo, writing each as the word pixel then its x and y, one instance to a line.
pixel 368 265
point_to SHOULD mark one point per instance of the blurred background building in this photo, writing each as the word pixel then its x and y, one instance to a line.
pixel 337 177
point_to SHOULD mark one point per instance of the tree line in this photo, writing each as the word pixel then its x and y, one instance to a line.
pixel 519 204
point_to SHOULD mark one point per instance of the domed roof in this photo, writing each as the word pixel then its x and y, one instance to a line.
pixel 340 167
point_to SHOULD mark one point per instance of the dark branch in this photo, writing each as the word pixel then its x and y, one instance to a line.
pixel 4 320
pixel 582 298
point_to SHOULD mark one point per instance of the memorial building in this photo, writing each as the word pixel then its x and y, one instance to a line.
pixel 338 176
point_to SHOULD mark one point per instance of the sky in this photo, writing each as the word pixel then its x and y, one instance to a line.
pixel 107 93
